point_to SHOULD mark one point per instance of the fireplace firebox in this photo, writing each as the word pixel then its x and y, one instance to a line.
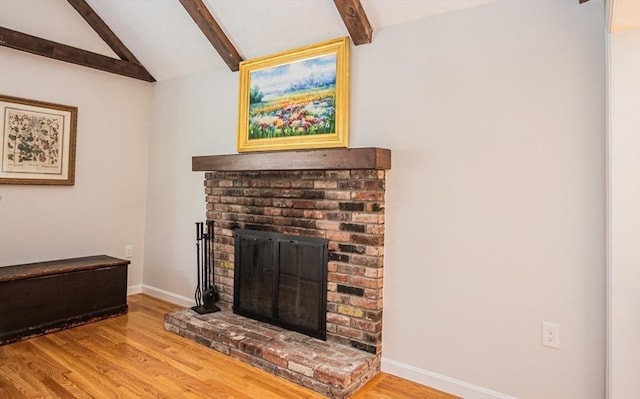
pixel 282 279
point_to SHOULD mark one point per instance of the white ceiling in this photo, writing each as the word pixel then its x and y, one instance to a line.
pixel 168 43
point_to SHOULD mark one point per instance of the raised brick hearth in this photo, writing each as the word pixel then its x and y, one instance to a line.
pixel 334 194
pixel 325 367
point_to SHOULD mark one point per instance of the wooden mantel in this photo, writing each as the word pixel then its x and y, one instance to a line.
pixel 334 158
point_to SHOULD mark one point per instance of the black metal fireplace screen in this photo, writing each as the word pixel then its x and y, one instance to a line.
pixel 282 280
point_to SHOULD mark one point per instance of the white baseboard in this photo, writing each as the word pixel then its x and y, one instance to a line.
pixel 134 289
pixel 441 382
pixel 421 376
pixel 168 296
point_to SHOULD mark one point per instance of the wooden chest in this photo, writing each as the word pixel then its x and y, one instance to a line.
pixel 43 297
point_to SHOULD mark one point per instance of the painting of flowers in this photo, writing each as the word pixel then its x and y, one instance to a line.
pixel 296 99
pixel 293 99
pixel 38 142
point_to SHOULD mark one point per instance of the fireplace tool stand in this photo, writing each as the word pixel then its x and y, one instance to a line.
pixel 206 293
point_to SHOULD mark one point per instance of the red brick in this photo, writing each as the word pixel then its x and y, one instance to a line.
pixel 258 183
pixel 328 225
pixel 364 173
pixel 340 236
pixel 312 174
pixel 373 218
pixel 363 260
pixel 294 231
pixel 282 203
pixel 272 356
pixel 337 278
pixel 312 214
pixel 366 282
pixel 373 293
pixel 374 272
pixel 302 184
pixel 327 205
pixel 226 281
pixel 338 195
pixel 366 325
pixel 351 269
pixel 365 303
pixel 338 319
pixel 350 332
pixel 337 174
pixel 332 377
pixel 374 251
pixel 252 347
pixel 304 204
pixel 375 229
pixel 280 184
pixel 337 298
pixel 367 196
pixel 221 207
pixel 239 355
pixel 282 221
pixel 374 240
pixel 300 367
pixel 374 185
pixel 327 184
pixel 375 207
pixel 373 338
pixel 232 339
pixel 340 216
pixel 273 211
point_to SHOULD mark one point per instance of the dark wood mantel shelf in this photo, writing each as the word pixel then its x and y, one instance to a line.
pixel 334 158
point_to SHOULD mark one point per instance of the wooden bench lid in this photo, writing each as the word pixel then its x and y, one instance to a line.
pixel 40 269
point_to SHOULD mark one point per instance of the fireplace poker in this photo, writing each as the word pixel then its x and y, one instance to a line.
pixel 205 258
pixel 198 295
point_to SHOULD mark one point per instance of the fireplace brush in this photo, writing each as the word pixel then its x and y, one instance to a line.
pixel 206 293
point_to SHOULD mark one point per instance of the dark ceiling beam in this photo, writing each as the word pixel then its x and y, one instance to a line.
pixel 356 21
pixel 101 28
pixel 582 1
pixel 47 48
pixel 213 32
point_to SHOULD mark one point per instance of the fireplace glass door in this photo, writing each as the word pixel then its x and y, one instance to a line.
pixel 281 279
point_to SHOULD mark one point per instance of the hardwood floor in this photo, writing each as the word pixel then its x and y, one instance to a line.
pixel 133 356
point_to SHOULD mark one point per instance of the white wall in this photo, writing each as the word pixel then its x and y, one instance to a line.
pixel 624 217
pixel 495 200
pixel 193 115
pixel 105 208
pixel 496 196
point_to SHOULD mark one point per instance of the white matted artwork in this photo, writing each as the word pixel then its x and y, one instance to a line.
pixel 37 142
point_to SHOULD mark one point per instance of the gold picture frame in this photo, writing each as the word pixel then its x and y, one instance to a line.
pixel 297 99
pixel 37 142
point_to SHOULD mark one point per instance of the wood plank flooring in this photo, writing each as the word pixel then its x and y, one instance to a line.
pixel 132 356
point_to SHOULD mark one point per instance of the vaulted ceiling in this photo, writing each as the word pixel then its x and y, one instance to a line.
pixel 169 38
pixel 165 39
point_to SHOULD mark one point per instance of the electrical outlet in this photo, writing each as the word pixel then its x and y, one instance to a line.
pixel 550 335
pixel 128 251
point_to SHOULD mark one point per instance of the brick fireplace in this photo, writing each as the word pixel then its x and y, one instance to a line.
pixel 336 194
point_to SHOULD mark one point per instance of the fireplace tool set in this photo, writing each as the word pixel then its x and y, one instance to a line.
pixel 206 292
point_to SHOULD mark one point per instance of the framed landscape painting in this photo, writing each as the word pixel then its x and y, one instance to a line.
pixel 37 142
pixel 296 99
